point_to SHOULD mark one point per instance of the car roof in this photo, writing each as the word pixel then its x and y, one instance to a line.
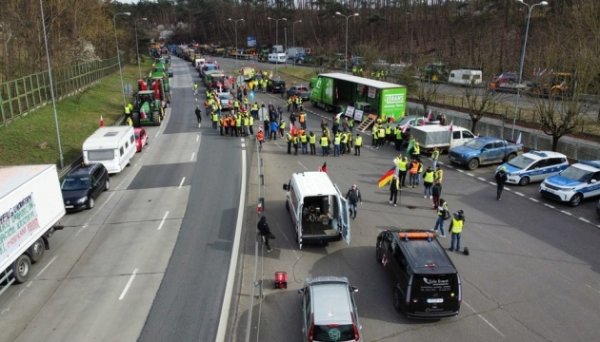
pixel 331 300
pixel 537 155
pixel 424 254
pixel 314 183
pixel 588 165
pixel 84 170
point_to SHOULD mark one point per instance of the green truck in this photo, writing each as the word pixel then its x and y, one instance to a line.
pixel 336 91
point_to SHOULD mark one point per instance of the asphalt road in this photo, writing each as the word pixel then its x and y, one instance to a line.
pixel 533 272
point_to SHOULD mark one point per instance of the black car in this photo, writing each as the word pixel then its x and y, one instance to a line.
pixel 425 282
pixel 276 86
pixel 83 185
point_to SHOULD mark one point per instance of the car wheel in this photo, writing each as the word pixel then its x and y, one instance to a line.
pixel 576 200
pixel 524 181
pixel 21 268
pixel 91 203
pixel 107 185
pixel 397 300
pixel 36 251
pixel 510 156
pixel 473 164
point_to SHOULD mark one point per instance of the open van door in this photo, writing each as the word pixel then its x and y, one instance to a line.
pixel 344 218
pixel 298 225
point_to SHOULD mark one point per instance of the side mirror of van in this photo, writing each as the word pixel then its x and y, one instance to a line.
pixel 301 291
pixel 354 289
pixel 286 187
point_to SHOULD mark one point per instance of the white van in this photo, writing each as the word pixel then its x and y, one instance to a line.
pixel 112 146
pixel 277 57
pixel 318 210
pixel 465 77
pixel 199 63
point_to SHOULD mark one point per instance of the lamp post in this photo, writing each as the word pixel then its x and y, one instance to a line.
pixel 522 61
pixel 235 21
pixel 293 38
pixel 276 38
pixel 60 153
pixel 346 54
pixel 118 55
pixel 137 48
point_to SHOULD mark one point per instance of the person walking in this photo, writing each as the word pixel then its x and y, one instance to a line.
pixel 354 197
pixel 427 182
pixel 260 137
pixel 198 115
pixel 274 130
pixel 436 192
pixel 435 156
pixel 265 232
pixel 438 174
pixel 456 228
pixel 443 214
pixel 357 144
pixel 394 189
pixel 500 180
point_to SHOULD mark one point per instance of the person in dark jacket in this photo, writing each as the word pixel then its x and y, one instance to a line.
pixel 265 232
pixel 198 115
pixel 500 180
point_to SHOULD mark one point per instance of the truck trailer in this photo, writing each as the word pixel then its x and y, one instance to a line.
pixel 335 91
pixel 31 205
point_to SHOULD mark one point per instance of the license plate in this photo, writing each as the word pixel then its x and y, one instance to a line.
pixel 69 206
pixel 435 300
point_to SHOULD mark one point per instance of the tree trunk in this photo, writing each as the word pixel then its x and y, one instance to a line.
pixel 555 142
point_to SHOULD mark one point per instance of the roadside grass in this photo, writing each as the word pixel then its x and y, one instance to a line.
pixel 32 139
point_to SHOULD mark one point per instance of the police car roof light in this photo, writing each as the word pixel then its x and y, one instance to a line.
pixel 415 236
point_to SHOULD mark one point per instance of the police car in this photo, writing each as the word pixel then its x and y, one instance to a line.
pixel 578 181
pixel 534 166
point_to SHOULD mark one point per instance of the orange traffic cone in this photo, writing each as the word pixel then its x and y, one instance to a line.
pixel 101 121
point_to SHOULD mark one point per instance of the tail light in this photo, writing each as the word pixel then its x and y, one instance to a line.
pixel 311 329
pixel 356 331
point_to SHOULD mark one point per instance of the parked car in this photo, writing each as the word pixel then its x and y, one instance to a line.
pixel 329 310
pixel 484 150
pixel 83 185
pixel 578 181
pixel 507 82
pixel 226 101
pixel 276 86
pixel 299 90
pixel 141 138
pixel 534 166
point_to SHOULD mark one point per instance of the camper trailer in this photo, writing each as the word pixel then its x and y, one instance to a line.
pixel 465 77
pixel 112 146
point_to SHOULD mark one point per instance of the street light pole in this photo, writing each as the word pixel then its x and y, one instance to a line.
pixel 60 153
pixel 118 54
pixel 293 32
pixel 346 54
pixel 235 21
pixel 137 48
pixel 277 39
pixel 522 61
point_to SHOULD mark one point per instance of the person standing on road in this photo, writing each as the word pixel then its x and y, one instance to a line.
pixel 427 182
pixel 438 174
pixel 456 227
pixel 312 141
pixel 443 214
pixel 357 144
pixel 394 189
pixel 500 180
pixel 353 196
pixel 436 192
pixel 435 156
pixel 198 115
pixel 265 232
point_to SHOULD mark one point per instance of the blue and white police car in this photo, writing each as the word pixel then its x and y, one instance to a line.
pixel 534 166
pixel 578 181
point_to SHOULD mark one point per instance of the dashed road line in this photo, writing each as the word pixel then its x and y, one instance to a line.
pixel 484 319
pixel 566 212
pixel 459 170
pixel 549 206
pixel 534 200
pixel 482 179
pixel 128 284
pixel 584 219
pixel 162 222
pixel 181 183
pixel 470 174
pixel 520 194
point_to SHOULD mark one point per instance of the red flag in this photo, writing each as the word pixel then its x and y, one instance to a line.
pixel 404 127
pixel 386 178
pixel 430 116
pixel 451 126
pixel 101 121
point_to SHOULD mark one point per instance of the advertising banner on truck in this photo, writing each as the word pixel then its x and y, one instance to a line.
pixel 17 224
pixel 393 103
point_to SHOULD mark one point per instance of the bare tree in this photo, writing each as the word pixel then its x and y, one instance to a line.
pixel 479 101
pixel 426 93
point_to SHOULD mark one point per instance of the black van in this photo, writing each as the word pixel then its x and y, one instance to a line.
pixel 426 283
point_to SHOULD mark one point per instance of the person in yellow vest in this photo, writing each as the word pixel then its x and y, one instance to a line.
pixel 251 124
pixel 348 142
pixel 304 142
pixel 357 144
pixel 238 124
pixel 398 138
pixel 289 139
pixel 324 142
pixel 282 126
pixel 290 101
pixel 374 131
pixel 236 105
pixel 416 151
pixel 402 169
pixel 245 124
pixel 435 156
pixel 221 125
pixel 388 133
pixel 427 182
pixel 254 110
pixel 351 124
pixel 456 228
pixel 312 141
pixel 246 102
pixel 438 175
pixel 299 103
pixel 336 144
pixel 381 136
pixel 302 120
pixel 295 142
pixel 214 119
pixel 420 171
pixel 343 142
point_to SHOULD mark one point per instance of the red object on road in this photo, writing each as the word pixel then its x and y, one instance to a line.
pixel 281 280
pixel 101 121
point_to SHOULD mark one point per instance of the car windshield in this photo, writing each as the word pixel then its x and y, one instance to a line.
pixel 334 332
pixel 475 144
pixel 520 162
pixel 575 173
pixel 75 183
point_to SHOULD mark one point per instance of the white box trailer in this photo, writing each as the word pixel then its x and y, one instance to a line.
pixel 31 205
pixel 442 137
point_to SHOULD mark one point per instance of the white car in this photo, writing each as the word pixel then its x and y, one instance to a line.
pixel 578 181
pixel 534 166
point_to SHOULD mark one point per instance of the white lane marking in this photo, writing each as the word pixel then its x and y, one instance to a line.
pixel 181 183
pixel 226 307
pixel 198 138
pixel 549 206
pixel 584 220
pixel 81 229
pixel 566 212
pixel 45 267
pixel 485 320
pixel 482 179
pixel 593 288
pixel 520 194
pixel 305 168
pixel 157 134
pixel 470 174
pixel 128 284
pixel 163 220
pixel 277 144
pixel 507 188
pixel 193 155
pixel 461 171
pixel 533 199
pixel 492 183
